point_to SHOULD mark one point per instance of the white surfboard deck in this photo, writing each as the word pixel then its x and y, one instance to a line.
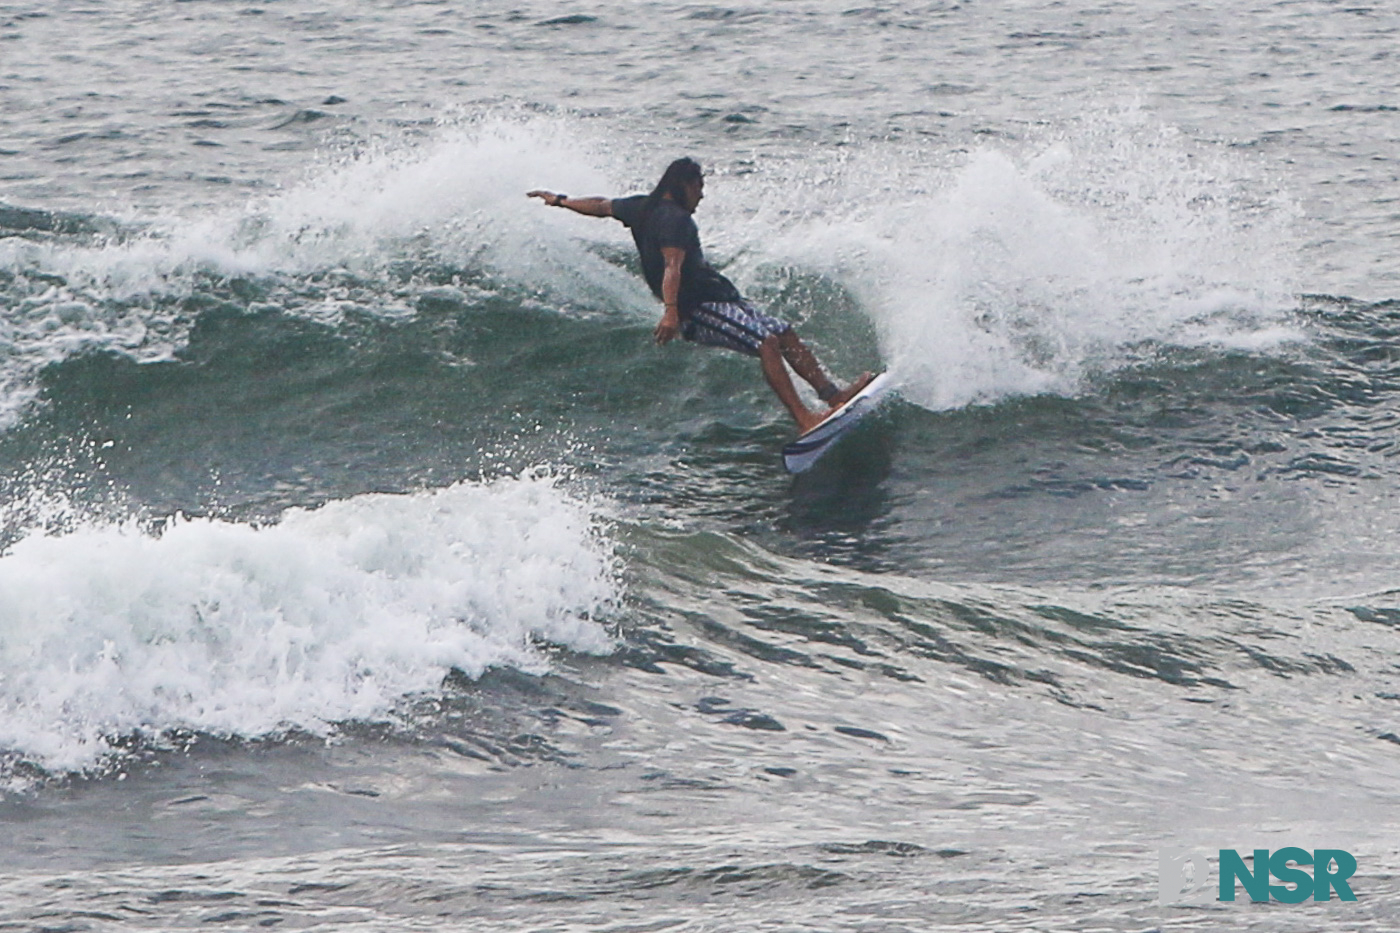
pixel 801 454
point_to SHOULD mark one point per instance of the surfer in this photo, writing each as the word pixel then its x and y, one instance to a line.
pixel 701 305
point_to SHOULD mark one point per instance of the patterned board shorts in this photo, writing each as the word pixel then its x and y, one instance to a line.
pixel 734 325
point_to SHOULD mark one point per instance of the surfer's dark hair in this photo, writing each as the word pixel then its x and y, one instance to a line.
pixel 673 181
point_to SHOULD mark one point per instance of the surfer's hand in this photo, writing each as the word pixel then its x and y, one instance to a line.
pixel 545 196
pixel 669 327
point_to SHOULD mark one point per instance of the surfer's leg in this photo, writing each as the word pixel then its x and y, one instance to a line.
pixel 806 366
pixel 737 325
pixel 770 355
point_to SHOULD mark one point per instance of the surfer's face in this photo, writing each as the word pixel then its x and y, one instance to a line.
pixel 694 192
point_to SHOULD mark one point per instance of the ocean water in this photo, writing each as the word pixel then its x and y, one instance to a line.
pixel 364 565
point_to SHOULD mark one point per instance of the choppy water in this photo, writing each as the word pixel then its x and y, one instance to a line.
pixel 366 566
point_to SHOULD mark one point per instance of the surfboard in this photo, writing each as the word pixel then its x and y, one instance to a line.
pixel 801 454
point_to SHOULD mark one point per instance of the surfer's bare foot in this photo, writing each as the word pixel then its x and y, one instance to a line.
pixel 848 393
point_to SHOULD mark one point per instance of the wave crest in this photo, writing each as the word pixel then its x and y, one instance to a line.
pixel 330 615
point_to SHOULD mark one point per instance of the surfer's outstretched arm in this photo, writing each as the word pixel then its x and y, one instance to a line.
pixel 592 207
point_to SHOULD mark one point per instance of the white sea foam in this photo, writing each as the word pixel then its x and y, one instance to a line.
pixel 1017 269
pixel 461 194
pixel 458 198
pixel 329 615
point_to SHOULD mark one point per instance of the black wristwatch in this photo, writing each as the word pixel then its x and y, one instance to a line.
pixel 559 199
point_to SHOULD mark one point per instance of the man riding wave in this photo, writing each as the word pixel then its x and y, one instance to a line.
pixel 701 305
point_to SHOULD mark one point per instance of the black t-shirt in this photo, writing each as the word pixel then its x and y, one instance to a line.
pixel 670 225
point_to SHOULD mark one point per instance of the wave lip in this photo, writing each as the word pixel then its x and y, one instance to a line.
pixel 330 615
